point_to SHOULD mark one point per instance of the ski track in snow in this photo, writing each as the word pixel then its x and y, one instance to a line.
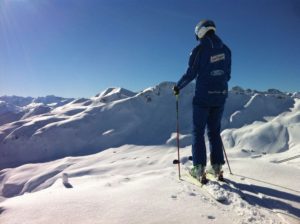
pixel 251 208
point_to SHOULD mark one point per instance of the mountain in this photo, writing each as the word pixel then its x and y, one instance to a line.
pixel 14 108
pixel 125 174
pixel 261 122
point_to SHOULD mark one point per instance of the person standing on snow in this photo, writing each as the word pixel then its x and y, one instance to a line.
pixel 210 65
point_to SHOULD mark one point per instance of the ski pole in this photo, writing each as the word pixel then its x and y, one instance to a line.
pixel 226 157
pixel 177 127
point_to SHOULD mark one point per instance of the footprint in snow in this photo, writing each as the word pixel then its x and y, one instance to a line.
pixel 211 217
pixel 174 197
pixel 1 210
pixel 108 185
pixel 192 194
pixel 126 179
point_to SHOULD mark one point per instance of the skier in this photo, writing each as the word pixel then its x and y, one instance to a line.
pixel 210 65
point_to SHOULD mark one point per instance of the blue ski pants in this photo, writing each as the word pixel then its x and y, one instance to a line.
pixel 209 117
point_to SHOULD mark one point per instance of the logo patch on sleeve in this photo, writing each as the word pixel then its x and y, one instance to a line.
pixel 216 58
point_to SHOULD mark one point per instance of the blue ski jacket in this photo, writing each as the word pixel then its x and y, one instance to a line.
pixel 210 65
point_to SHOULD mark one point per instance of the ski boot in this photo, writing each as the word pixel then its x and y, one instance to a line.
pixel 217 171
pixel 198 172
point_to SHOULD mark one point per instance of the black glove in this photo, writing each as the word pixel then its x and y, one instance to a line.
pixel 176 90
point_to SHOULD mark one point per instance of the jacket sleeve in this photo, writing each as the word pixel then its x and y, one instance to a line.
pixel 191 72
pixel 229 66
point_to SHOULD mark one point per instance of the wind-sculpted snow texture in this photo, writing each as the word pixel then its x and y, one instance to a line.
pixel 130 184
pixel 265 122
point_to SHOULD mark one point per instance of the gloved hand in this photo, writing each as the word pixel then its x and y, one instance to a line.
pixel 176 90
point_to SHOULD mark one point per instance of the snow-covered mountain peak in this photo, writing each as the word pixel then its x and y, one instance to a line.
pixel 296 95
pixel 113 94
pixel 165 89
pixel 13 108
pixel 17 100
pixel 51 100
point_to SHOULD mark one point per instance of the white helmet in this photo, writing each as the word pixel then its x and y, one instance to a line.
pixel 203 27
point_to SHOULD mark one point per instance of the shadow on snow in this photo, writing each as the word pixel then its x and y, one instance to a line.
pixel 269 198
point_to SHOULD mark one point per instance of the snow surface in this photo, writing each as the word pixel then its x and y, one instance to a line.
pixel 139 184
pixel 125 143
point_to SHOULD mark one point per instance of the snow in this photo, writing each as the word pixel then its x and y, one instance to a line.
pixel 139 184
pixel 14 108
pixel 108 159
pixel 113 94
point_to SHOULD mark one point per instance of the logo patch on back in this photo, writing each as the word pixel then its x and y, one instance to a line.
pixel 216 58
pixel 217 73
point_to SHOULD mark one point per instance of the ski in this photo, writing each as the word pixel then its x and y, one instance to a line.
pixel 212 188
pixel 210 175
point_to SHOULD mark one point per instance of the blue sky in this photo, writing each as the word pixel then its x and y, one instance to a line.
pixel 77 48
